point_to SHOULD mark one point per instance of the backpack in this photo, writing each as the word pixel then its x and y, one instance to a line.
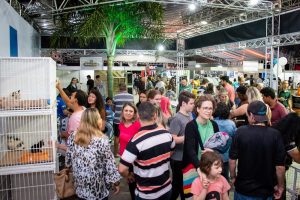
pixel 220 142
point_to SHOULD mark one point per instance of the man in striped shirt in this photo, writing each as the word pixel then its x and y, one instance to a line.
pixel 149 151
pixel 122 97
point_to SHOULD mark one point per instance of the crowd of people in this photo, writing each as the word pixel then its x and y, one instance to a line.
pixel 222 136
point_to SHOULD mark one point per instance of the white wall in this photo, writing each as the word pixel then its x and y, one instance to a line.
pixel 28 38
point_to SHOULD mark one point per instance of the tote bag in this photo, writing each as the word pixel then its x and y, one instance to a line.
pixel 64 184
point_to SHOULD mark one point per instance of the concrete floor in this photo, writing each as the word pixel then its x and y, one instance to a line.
pixel 124 192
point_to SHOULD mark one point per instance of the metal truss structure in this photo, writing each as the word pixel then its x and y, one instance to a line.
pixel 73 55
pixel 228 12
pixel 279 40
pixel 67 5
pixel 219 14
pixel 180 61
pixel 200 29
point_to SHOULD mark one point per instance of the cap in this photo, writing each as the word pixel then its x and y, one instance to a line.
pixel 259 111
pixel 225 78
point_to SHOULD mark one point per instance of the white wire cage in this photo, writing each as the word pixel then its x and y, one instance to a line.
pixel 27 186
pixel 26 140
pixel 28 128
pixel 26 83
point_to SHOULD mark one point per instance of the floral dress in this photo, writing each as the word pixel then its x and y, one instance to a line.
pixel 93 167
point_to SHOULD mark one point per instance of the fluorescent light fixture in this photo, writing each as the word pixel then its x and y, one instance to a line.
pixel 254 2
pixel 220 66
pixel 161 47
pixel 192 7
pixel 203 22
pixel 197 65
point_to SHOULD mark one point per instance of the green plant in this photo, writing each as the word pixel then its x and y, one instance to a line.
pixel 116 23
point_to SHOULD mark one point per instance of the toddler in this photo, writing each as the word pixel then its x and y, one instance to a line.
pixel 212 185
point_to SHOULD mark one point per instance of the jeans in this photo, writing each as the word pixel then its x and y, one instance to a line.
pixel 166 196
pixel 238 196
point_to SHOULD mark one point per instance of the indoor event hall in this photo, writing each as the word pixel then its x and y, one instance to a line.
pixel 150 99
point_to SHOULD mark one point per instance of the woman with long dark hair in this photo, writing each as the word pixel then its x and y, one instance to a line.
pixel 72 87
pixel 95 100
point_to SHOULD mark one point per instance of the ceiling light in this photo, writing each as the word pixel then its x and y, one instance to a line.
pixel 254 2
pixel 160 47
pixel 197 65
pixel 243 17
pixel 203 22
pixel 192 7
pixel 220 66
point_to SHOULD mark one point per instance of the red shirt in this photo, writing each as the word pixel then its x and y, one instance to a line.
pixel 126 134
pixel 165 105
pixel 230 91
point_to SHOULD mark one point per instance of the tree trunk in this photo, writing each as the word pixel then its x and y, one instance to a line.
pixel 110 78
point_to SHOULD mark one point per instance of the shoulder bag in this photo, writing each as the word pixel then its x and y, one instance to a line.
pixel 64 183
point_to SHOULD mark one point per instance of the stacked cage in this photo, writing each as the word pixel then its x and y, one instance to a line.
pixel 27 128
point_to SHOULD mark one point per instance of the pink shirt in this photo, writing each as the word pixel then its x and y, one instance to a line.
pixel 230 91
pixel 74 122
pixel 165 105
pixel 214 190
pixel 126 133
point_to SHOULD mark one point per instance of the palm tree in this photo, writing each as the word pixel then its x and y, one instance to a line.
pixel 116 24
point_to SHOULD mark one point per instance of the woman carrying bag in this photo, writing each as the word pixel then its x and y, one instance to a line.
pixel 197 132
pixel 91 160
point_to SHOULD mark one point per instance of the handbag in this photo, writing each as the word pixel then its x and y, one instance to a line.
pixel 64 183
pixel 190 172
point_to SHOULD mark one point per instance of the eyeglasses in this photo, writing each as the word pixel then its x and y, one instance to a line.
pixel 207 108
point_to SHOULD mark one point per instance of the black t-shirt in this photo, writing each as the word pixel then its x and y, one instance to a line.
pixel 90 84
pixel 258 149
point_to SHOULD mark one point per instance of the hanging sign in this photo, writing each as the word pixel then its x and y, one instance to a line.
pixel 91 63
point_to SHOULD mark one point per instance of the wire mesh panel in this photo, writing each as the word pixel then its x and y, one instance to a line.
pixel 26 83
pixel 27 128
pixel 292 182
pixel 25 140
pixel 28 186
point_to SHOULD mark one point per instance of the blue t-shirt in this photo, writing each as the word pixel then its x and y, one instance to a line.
pixel 110 113
pixel 61 106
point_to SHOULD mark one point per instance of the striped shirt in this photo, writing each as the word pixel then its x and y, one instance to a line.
pixel 149 151
pixel 119 101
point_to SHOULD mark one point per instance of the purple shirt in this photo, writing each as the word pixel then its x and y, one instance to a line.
pixel 278 112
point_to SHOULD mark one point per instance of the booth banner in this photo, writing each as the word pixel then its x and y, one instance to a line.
pixel 91 63
pixel 250 66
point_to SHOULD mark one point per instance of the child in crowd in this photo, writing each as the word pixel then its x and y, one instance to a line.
pixel 142 97
pixel 212 185
pixel 109 107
